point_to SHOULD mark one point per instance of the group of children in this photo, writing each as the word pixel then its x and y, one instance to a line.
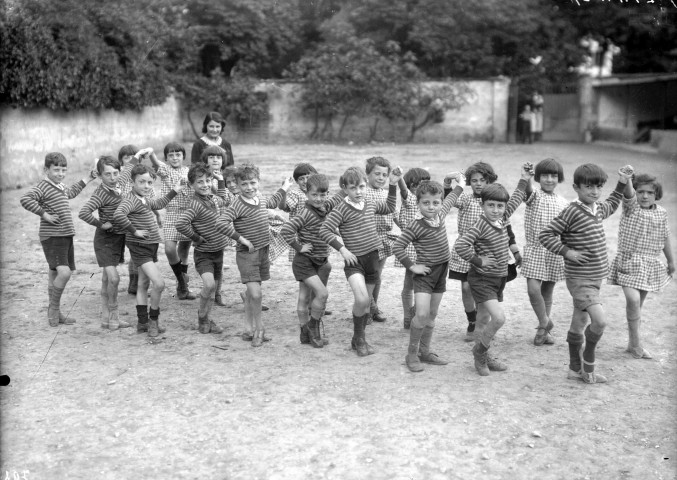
pixel 210 205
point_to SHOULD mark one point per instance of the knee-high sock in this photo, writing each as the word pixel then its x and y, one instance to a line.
pixel 591 339
pixel 575 340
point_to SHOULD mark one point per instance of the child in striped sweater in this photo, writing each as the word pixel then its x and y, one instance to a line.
pixel 247 222
pixel 577 234
pixel 203 224
pixel 109 241
pixel 353 219
pixel 485 247
pixel 428 234
pixel 135 216
pixel 49 200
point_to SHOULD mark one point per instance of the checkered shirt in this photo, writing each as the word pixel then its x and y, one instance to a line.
pixel 384 223
pixel 537 262
pixel 170 176
pixel 294 203
pixel 408 211
pixel 469 211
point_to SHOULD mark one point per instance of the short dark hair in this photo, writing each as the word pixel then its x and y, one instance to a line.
pixel 549 166
pixel 247 171
pixel 215 116
pixel 352 176
pixel 589 174
pixel 198 170
pixel 229 171
pixel 429 187
pixel 174 147
pixel 646 179
pixel 107 160
pixel 495 192
pixel 484 169
pixel 317 181
pixel 377 162
pixel 142 170
pixel 215 151
pixel 127 150
pixel 415 175
pixel 303 169
pixel 55 158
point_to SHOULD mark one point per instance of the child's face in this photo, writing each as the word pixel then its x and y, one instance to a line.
pixel 548 182
pixel 202 185
pixel 56 173
pixel 127 158
pixel 301 182
pixel 175 159
pixel 110 176
pixel 316 198
pixel 378 177
pixel 588 193
pixel 231 185
pixel 142 184
pixel 493 209
pixel 214 162
pixel 213 129
pixel 430 205
pixel 355 192
pixel 646 195
pixel 477 183
pixel 249 187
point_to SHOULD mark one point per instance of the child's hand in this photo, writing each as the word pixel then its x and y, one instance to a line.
pixel 518 259
pixel 217 175
pixel 93 173
pixel 180 185
pixel 247 243
pixel 420 269
pixel 457 177
pixel 159 220
pixel 395 175
pixel 199 242
pixel 671 269
pixel 577 257
pixel 106 226
pixel 306 248
pixel 527 170
pixel 49 218
pixel 625 173
pixel 288 182
pixel 488 262
pixel 141 234
pixel 348 257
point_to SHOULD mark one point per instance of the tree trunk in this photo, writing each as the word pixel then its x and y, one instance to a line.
pixel 416 127
pixel 316 127
pixel 343 124
pixel 192 125
pixel 372 130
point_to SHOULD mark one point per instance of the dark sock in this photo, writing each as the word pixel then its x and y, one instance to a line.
pixel 481 348
pixel 178 273
pixel 591 339
pixel 142 313
pixel 184 268
pixel 575 340
pixel 472 316
pixel 153 313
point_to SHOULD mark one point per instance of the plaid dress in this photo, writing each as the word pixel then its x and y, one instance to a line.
pixel 538 262
pixel 408 211
pixel 295 202
pixel 384 223
pixel 641 238
pixel 469 211
pixel 170 176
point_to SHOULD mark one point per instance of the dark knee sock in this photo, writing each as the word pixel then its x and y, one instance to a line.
pixel 575 340
pixel 142 313
pixel 472 316
pixel 591 339
pixel 178 273
pixel 184 268
pixel 153 313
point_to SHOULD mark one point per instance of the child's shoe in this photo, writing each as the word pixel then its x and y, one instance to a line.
pixel 541 336
pixel 153 328
pixel 413 363
pixel 314 333
pixel 185 294
pixel 114 321
pixel 639 352
pixel 470 332
pixel 494 365
pixel 66 320
pixel 479 352
pixel 53 316
pixel 592 376
pixel 218 300
pixel 214 328
pixel 259 337
pixel 304 335
pixel 203 324
pixel 377 316
pixel 432 359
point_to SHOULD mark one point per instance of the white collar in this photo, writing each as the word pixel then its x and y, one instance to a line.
pixel 357 205
pixel 250 201
pixel 209 141
pixel 592 209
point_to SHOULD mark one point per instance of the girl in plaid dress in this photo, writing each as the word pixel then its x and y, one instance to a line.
pixel 540 267
pixel 643 233
pixel 408 211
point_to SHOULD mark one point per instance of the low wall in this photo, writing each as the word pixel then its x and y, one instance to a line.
pixel 26 135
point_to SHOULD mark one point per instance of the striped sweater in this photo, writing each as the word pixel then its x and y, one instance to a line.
pixel 132 214
pixel 46 197
pixel 251 221
pixel 485 239
pixel 357 227
pixel 431 243
pixel 576 228
pixel 306 225
pixel 203 219
pixel 106 201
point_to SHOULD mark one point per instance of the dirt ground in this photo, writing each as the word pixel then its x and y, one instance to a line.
pixel 87 403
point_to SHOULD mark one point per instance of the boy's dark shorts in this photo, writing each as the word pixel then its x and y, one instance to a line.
pixel 304 267
pixel 434 282
pixel 208 262
pixel 485 288
pixel 59 251
pixel 109 248
pixel 142 252
pixel 255 266
pixel 461 276
pixel 367 266
pixel 584 292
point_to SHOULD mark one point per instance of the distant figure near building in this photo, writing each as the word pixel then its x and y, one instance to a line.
pixel 537 117
pixel 525 124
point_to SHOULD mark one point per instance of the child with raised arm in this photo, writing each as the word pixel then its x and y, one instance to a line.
pixel 485 247
pixel 311 265
pixel 177 246
pixel 428 234
pixel 577 234
pixel 409 211
pixel 49 200
pixel 353 220
pixel 109 242
pixel 295 200
pixel 135 216
pixel 202 223
pixel 540 267
pixel 643 233
pixel 247 222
